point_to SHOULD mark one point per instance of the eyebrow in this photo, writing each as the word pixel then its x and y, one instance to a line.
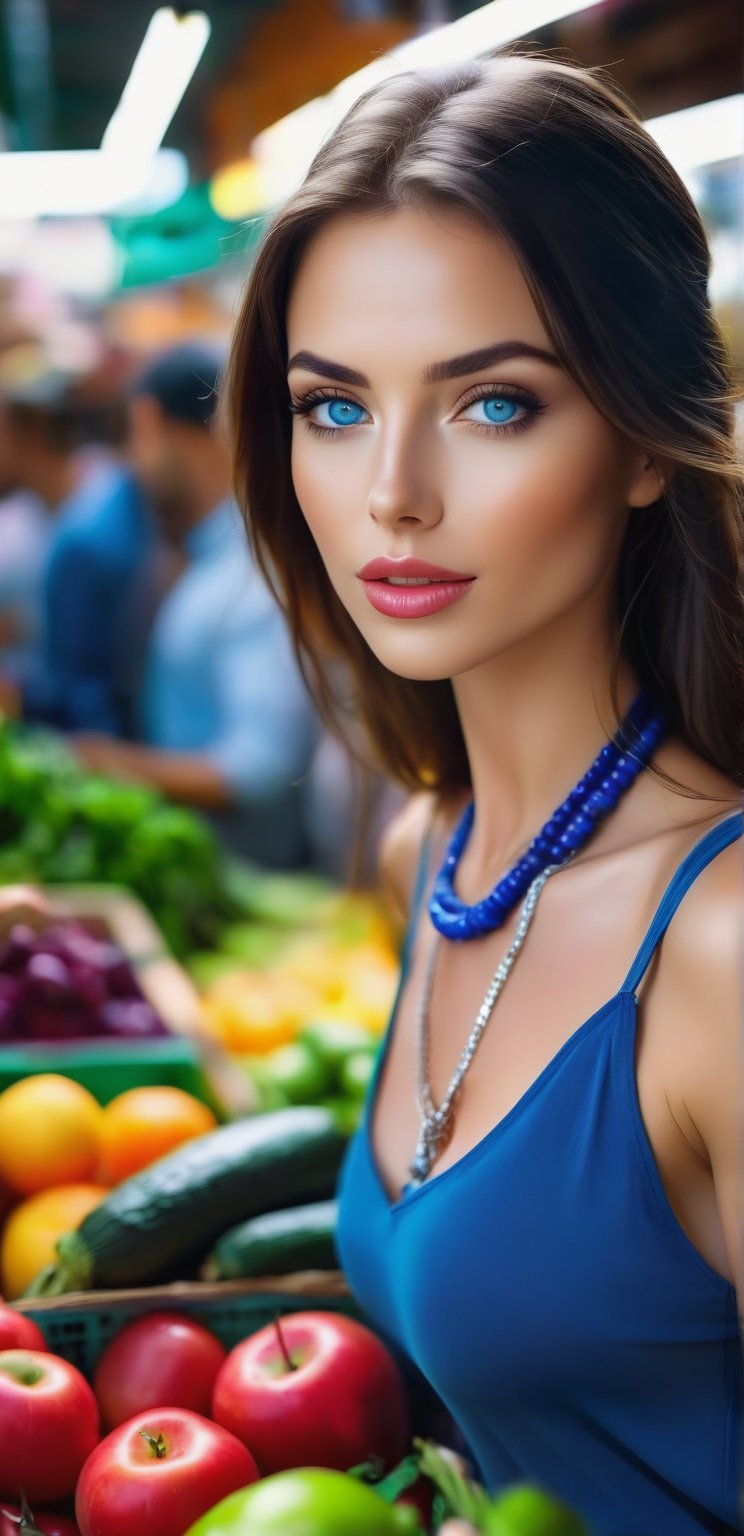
pixel 435 373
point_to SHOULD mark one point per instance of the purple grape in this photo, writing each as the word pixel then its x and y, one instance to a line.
pixel 130 1018
pixel 45 1022
pixel 120 977
pixel 8 1020
pixel 11 989
pixel 88 984
pixel 47 977
pixel 17 949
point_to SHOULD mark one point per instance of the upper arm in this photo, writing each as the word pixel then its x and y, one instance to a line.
pixel 704 970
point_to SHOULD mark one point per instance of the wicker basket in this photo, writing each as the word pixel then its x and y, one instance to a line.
pixel 79 1326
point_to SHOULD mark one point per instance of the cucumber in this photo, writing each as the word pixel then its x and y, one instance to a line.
pixel 174 1210
pixel 276 1244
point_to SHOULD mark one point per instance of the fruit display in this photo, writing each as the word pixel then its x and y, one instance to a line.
pixel 329 1381
pixel 221 1423
pixel 308 1502
pixel 158 1222
pixel 50 1425
pixel 319 1443
pixel 157 1473
pixel 61 1152
pixel 163 1357
pixel 65 983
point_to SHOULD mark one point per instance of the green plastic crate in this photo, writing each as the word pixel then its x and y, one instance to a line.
pixel 109 1067
pixel 79 1327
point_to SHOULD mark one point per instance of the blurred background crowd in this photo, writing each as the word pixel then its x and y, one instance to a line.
pixel 141 152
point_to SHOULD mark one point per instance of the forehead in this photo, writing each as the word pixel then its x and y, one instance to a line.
pixel 409 278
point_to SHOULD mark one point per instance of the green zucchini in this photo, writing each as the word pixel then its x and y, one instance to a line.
pixel 276 1244
pixel 174 1210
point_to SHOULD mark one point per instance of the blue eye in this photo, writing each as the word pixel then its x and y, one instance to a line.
pixel 498 409
pixel 341 413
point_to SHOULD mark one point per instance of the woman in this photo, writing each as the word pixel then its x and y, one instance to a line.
pixel 483 422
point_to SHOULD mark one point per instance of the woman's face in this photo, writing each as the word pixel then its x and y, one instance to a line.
pixel 496 472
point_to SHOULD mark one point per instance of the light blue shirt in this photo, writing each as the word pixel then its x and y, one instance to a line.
pixel 83 676
pixel 222 681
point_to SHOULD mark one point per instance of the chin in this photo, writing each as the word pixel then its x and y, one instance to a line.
pixel 419 658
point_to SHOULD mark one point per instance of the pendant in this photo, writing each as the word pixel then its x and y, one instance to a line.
pixel 435 1133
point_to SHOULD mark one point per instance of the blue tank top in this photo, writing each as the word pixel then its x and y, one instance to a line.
pixel 545 1288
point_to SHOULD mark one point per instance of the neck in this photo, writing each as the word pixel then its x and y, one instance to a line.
pixel 53 479
pixel 205 492
pixel 533 721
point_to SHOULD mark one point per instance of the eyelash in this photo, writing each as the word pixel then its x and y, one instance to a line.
pixel 523 397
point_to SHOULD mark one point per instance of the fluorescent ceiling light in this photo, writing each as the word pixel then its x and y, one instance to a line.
pixel 129 172
pixel 286 149
pixel 66 183
pixel 701 135
pixel 170 51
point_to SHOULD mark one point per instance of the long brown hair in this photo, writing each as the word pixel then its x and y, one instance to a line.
pixel 554 159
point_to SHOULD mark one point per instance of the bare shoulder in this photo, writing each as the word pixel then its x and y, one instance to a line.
pixel 704 939
pixel 400 847
pixel 699 996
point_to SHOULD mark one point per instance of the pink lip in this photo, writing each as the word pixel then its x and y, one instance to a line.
pixel 413 602
pixel 383 566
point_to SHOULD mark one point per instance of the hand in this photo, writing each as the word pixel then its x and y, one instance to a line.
pixel 457 1528
pixel 24 904
pixel 10 698
pixel 101 753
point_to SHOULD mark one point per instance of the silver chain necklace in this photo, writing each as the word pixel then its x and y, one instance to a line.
pixel 437 1124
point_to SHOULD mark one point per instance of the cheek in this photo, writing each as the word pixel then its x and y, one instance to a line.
pixel 326 489
pixel 549 505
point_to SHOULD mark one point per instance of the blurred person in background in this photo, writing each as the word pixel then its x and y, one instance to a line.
pixel 24 537
pixel 226 722
pixel 100 549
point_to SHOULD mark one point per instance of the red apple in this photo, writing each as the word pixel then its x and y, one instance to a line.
pixel 317 1390
pixel 158 1473
pixel 19 1332
pixel 164 1357
pixel 43 1520
pixel 48 1426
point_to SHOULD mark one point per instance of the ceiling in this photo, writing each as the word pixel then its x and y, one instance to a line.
pixel 267 56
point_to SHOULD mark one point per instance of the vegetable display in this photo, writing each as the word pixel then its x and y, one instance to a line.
pixel 278 1243
pixel 175 1209
pixel 60 824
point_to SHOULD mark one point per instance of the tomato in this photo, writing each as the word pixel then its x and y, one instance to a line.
pixel 19 1332
pixel 44 1521
pixel 163 1358
pixel 158 1473
pixel 311 1501
pixel 339 1401
pixel 48 1425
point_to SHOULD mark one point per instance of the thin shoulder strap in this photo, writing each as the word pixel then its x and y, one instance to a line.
pixel 696 860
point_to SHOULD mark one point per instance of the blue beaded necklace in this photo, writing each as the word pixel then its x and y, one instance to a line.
pixel 568 829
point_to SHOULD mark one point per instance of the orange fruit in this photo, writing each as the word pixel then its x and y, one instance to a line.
pixel 33 1229
pixel 143 1124
pixel 50 1133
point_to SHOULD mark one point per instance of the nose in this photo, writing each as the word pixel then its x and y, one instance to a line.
pixel 404 490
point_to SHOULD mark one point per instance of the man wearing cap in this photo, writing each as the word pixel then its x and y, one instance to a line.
pixel 226 721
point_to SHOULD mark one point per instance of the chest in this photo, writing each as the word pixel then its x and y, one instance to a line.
pixel 572 965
